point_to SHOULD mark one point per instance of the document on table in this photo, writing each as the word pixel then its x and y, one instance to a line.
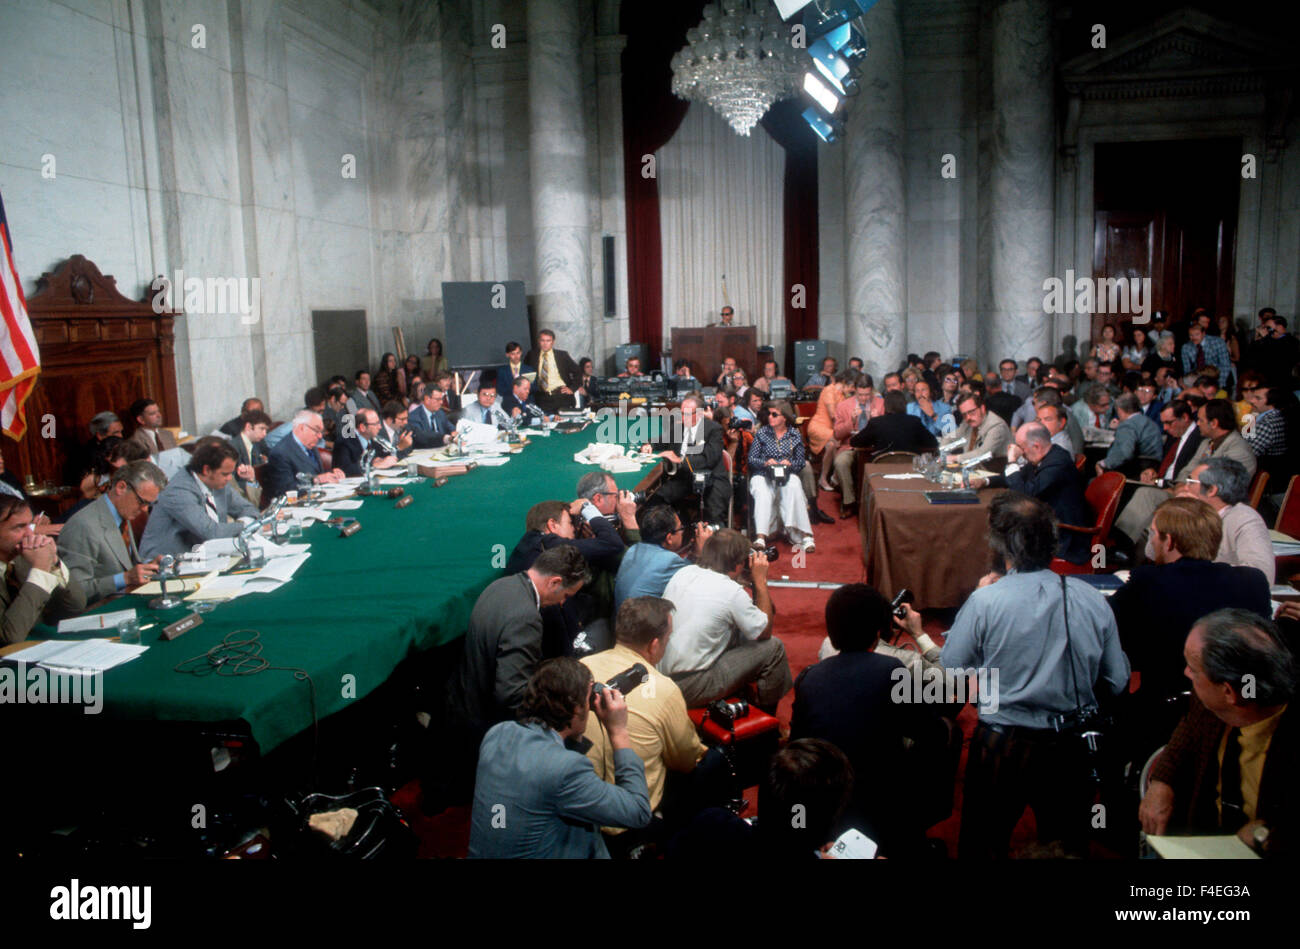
pixel 342 505
pixel 187 585
pixel 274 575
pixel 904 477
pixel 85 624
pixel 304 514
pixel 1227 847
pixel 85 655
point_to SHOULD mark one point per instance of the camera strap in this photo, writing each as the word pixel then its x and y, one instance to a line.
pixel 1069 648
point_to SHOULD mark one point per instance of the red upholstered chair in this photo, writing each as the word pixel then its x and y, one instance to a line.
pixel 1080 460
pixel 1288 522
pixel 1257 486
pixel 1103 497
pixel 756 738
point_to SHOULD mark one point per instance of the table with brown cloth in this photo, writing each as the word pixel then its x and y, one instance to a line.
pixel 938 551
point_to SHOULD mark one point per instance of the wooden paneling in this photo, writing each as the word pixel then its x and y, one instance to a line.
pixel 706 348
pixel 99 351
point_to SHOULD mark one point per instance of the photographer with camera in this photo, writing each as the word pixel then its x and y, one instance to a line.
pixel 775 460
pixel 713 610
pixel 650 564
pixel 533 797
pixel 1054 645
pixel 659 730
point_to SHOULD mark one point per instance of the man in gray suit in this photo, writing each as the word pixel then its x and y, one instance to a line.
pixel 363 396
pixel 97 542
pixel 195 506
pixel 533 797
pixel 1138 440
pixel 36 586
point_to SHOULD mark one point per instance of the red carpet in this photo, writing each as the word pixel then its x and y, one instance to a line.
pixel 800 623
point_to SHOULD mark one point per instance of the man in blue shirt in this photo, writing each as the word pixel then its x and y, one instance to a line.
pixel 1015 627
pixel 648 566
pixel 533 797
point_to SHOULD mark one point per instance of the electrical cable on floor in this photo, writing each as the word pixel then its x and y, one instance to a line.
pixel 243 657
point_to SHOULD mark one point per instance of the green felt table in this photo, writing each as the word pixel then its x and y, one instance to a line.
pixel 357 607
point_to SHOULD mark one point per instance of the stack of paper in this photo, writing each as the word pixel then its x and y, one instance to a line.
pixel 274 575
pixel 85 624
pixel 1284 545
pixel 86 655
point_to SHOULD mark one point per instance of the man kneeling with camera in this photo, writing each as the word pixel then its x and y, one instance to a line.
pixel 533 797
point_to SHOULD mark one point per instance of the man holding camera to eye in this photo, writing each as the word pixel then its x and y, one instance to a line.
pixel 659 729
pixel 1052 657
pixel 714 611
pixel 535 798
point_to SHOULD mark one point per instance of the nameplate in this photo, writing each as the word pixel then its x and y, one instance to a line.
pixel 182 626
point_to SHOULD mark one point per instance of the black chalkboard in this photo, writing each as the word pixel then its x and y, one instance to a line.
pixel 481 317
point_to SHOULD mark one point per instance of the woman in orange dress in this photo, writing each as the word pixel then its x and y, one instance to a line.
pixel 821 427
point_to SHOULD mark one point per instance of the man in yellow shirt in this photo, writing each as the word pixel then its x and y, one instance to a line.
pixel 658 727
pixel 557 374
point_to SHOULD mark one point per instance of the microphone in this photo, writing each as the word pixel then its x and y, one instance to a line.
pixel 977 460
pixel 385 444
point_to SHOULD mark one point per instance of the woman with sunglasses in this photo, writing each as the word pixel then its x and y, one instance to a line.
pixel 775 460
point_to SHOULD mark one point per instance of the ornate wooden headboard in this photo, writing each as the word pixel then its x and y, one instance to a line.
pixel 99 352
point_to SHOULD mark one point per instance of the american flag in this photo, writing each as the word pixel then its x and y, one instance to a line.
pixel 20 360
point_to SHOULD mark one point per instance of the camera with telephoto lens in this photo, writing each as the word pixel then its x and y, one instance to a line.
pixel 725 713
pixel 625 682
pixel 896 604
pixel 780 474
pixel 739 424
pixel 1088 724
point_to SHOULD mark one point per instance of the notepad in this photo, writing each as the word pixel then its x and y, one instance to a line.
pixel 1227 847
pixel 86 655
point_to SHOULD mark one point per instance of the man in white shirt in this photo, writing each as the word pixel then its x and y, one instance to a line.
pixel 712 610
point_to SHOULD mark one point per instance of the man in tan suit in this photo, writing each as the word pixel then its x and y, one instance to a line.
pixel 97 542
pixel 36 585
pixel 982 429
pixel 149 432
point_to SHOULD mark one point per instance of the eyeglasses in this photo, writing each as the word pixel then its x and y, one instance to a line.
pixel 143 503
pixel 774 414
pixel 1250 388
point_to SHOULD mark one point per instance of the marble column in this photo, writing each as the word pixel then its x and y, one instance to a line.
pixel 1021 178
pixel 875 227
pixel 558 165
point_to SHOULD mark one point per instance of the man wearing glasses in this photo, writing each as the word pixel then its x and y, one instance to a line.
pixel 198 503
pixel 728 314
pixel 97 543
pixel 349 450
pixel 297 454
pixel 982 429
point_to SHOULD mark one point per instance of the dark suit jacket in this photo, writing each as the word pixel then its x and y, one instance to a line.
pixel 347 455
pixel 506 378
pixel 429 432
pixel 503 647
pixel 895 432
pixel 1156 609
pixel 569 371
pixel 288 459
pixel 232 428
pixel 1057 483
pixel 1189 449
pixel 846 700
pixel 709 457
pixel 1004 404
pixel 1190 765
pixel 257 457
pixel 509 403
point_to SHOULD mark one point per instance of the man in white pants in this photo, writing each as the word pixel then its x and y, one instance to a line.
pixel 775 460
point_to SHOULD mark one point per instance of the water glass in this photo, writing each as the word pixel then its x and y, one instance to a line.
pixel 295 529
pixel 128 631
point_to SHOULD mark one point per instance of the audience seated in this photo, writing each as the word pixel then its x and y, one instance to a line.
pixel 1222 484
pixel 713 610
pixel 1001 403
pixel 1231 764
pixel 232 427
pixel 775 459
pixel 39 588
pixel 1157 607
pixel 362 394
pixel 149 432
pixel 97 542
pixel 195 505
pixel 821 427
pixel 313 400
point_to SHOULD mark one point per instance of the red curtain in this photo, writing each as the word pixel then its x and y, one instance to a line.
pixel 651 116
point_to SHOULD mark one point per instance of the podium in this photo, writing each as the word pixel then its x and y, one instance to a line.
pixel 705 348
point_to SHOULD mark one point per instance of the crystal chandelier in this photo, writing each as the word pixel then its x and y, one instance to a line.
pixel 739 60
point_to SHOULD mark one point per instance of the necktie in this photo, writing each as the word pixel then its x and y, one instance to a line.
pixel 211 505
pixel 545 371
pixel 129 539
pixel 1200 356
pixel 1230 783
pixel 1166 466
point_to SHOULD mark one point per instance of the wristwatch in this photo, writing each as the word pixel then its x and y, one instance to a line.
pixel 1260 837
